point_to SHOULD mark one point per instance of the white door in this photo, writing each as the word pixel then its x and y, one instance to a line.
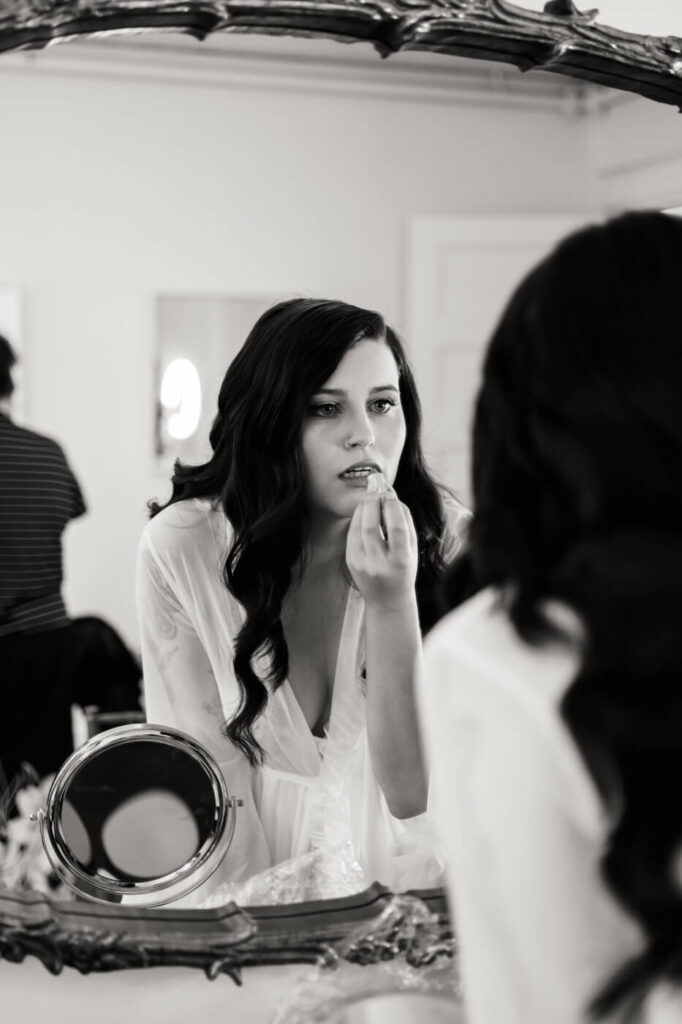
pixel 461 272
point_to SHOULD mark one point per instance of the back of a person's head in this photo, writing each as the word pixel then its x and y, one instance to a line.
pixel 577 479
pixel 578 429
pixel 7 361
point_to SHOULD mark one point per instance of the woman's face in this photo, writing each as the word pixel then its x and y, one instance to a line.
pixel 354 425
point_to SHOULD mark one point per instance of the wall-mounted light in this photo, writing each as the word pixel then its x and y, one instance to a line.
pixel 180 395
pixel 196 339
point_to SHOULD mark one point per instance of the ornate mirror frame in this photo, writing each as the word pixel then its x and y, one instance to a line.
pixel 561 40
pixel 223 940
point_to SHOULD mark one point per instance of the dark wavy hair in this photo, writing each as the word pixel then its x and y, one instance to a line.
pixel 577 480
pixel 256 473
pixel 7 361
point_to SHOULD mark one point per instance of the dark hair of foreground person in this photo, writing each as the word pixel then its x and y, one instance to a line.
pixel 577 480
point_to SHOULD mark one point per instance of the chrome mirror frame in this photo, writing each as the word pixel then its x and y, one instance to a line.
pixel 562 40
pixel 163 889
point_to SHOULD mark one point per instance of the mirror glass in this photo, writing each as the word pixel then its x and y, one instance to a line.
pixel 138 815
pixel 151 184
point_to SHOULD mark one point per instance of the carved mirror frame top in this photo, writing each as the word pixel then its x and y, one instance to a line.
pixel 563 39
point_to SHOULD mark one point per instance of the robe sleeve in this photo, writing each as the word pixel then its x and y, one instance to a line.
pixel 181 691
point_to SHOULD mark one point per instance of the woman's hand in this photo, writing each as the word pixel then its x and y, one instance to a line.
pixel 381 549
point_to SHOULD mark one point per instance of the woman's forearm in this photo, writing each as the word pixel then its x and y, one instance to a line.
pixel 394 658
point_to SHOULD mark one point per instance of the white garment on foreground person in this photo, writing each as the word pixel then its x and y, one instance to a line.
pixel 311 794
pixel 522 825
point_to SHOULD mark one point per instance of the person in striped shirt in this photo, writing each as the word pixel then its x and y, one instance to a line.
pixel 39 495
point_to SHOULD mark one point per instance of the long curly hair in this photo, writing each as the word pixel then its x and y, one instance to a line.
pixel 577 481
pixel 256 473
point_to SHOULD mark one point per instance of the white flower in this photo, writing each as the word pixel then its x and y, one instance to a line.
pixel 23 861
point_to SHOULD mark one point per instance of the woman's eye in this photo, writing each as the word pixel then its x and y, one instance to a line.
pixel 323 409
pixel 383 405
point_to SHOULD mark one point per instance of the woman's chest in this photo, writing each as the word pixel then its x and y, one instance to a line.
pixel 313 627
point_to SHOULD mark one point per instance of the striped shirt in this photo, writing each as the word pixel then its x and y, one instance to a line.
pixel 38 496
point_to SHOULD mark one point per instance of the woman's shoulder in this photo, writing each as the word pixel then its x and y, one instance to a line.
pixel 189 524
pixel 474 623
pixel 479 663
pixel 480 671
pixel 481 633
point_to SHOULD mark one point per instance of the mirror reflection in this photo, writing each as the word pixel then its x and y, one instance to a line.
pixel 420 187
pixel 122 845
pixel 283 591
pixel 139 816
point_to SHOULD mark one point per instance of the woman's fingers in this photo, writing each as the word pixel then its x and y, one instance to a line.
pixel 381 551
pixel 395 523
pixel 372 529
pixel 386 525
pixel 411 527
pixel 355 542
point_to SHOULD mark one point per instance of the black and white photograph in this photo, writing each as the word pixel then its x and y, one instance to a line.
pixel 340 512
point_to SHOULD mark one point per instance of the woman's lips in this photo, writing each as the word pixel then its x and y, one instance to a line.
pixel 370 480
pixel 359 471
pixel 356 479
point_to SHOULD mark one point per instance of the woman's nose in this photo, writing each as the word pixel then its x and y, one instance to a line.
pixel 361 434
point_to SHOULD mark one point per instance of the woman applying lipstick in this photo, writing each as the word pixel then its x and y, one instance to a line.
pixel 283 592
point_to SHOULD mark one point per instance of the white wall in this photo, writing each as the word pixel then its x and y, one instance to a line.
pixel 636 147
pixel 114 190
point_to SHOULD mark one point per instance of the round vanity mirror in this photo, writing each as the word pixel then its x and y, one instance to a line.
pixel 139 815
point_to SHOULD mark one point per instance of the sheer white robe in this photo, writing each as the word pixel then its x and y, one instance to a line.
pixel 315 799
pixel 522 825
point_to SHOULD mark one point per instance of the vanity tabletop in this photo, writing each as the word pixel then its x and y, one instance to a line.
pixel 174 995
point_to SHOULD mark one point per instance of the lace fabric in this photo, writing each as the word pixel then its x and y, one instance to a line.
pixel 300 803
pixel 318 875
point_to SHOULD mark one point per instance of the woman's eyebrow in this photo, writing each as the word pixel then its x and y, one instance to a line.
pixel 341 392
